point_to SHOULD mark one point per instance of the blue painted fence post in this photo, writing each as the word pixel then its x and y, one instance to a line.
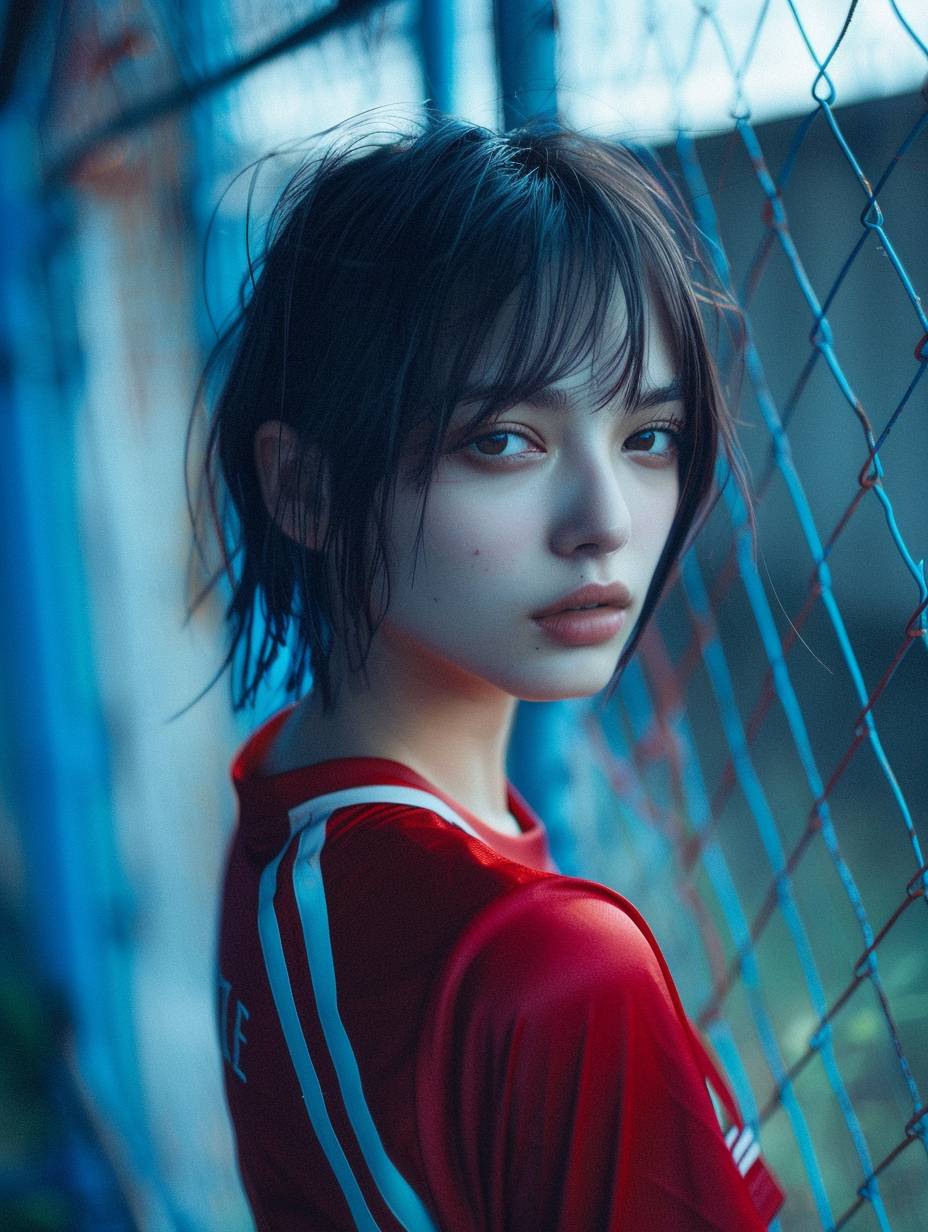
pixel 525 55
pixel 436 36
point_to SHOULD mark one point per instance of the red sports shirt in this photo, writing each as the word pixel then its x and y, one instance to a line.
pixel 426 1027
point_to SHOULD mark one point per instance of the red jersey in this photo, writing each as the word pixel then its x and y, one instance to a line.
pixel 426 1027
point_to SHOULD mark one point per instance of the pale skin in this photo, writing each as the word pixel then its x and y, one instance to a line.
pixel 579 495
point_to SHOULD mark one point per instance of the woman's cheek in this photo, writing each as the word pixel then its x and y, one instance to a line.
pixel 485 530
pixel 652 496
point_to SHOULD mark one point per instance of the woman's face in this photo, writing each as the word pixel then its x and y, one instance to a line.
pixel 532 507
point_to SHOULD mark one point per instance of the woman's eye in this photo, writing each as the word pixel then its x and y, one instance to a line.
pixel 496 443
pixel 658 440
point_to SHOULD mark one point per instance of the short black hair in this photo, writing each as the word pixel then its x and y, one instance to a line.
pixel 384 267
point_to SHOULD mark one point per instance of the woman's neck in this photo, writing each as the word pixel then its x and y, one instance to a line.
pixel 456 764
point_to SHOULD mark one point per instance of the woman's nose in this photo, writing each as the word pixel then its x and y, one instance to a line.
pixel 597 517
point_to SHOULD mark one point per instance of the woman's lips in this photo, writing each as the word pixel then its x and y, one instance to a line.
pixel 589 628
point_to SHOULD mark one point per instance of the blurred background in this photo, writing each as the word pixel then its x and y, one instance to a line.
pixel 758 787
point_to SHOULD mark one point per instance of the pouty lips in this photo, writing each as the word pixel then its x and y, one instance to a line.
pixel 614 595
pixel 589 628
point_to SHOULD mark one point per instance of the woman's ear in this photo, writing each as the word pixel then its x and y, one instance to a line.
pixel 288 482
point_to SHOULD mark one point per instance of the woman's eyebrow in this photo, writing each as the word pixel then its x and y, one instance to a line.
pixel 548 399
pixel 659 394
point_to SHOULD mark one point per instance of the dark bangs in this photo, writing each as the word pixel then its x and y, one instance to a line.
pixel 452 267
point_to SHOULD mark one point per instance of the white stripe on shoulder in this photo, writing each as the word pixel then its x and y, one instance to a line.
pixel 309 891
pixel 744 1141
pixel 310 1087
pixel 748 1158
pixel 318 810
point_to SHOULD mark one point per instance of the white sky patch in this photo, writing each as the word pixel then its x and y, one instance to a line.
pixel 650 66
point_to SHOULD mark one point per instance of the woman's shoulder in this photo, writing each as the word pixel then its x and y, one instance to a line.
pixel 554 939
pixel 411 855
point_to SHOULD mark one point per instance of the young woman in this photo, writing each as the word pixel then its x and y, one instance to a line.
pixel 471 408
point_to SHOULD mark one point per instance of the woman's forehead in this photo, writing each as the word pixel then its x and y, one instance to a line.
pixel 588 374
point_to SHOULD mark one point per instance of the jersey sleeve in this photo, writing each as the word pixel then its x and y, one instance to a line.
pixel 558 1089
